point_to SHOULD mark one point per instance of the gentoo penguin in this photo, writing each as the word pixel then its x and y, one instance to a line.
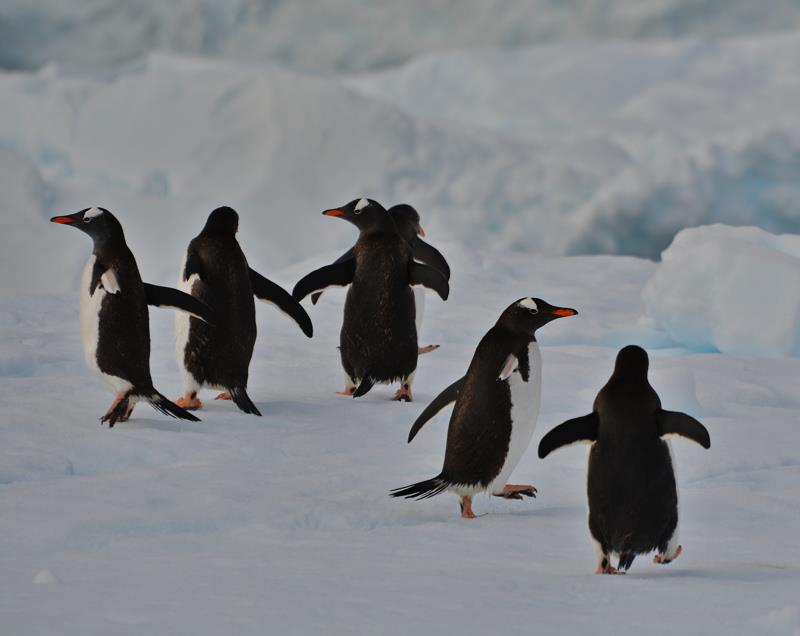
pixel 633 500
pixel 378 341
pixel 496 407
pixel 407 220
pixel 215 271
pixel 115 328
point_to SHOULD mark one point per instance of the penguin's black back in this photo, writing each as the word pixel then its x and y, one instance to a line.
pixel 123 344
pixel 219 354
pixel 379 336
pixel 633 499
pixel 479 433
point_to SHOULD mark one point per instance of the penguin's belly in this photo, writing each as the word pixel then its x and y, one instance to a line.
pixel 525 404
pixel 90 307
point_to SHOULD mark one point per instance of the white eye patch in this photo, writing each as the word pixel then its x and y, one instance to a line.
pixel 529 303
pixel 362 203
pixel 91 213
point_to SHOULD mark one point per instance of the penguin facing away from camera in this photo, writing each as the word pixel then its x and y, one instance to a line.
pixel 216 272
pixel 378 340
pixel 115 327
pixel 631 486
pixel 406 219
pixel 496 407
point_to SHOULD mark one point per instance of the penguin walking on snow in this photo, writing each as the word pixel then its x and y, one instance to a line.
pixel 407 221
pixel 378 341
pixel 216 272
pixel 633 499
pixel 496 408
pixel 115 327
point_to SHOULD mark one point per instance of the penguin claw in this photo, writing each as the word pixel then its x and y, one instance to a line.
pixel 403 394
pixel 189 402
pixel 347 392
pixel 512 491
pixel 427 349
pixel 225 395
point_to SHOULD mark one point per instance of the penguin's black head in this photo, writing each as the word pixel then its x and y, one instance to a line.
pixel 98 223
pixel 365 214
pixel 406 218
pixel 632 362
pixel 526 315
pixel 223 220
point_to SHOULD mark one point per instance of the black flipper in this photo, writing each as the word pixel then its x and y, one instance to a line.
pixel 364 386
pixel 336 275
pixel 349 254
pixel 168 297
pixel 264 289
pixel 243 401
pixel 428 254
pixel 674 423
pixel 449 395
pixel 579 429
pixel 193 265
pixel 423 489
pixel 427 276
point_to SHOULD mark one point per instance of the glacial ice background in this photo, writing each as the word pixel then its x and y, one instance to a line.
pixel 524 132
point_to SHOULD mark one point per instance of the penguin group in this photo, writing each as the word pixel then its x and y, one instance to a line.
pixel 631 485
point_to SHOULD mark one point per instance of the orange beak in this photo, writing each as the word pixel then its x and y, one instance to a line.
pixel 565 312
pixel 420 231
pixel 62 219
pixel 333 213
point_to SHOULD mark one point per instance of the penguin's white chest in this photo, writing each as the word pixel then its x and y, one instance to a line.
pixel 526 398
pixel 90 306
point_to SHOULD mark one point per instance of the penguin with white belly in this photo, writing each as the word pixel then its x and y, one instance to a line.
pixel 406 219
pixel 633 497
pixel 115 327
pixel 496 407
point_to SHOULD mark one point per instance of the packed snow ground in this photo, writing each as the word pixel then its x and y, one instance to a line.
pixel 283 525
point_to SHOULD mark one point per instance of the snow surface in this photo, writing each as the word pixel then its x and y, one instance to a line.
pixel 523 131
pixel 730 289
pixel 283 524
pixel 563 149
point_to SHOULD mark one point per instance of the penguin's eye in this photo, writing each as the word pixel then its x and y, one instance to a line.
pixel 534 311
pixel 359 208
pixel 87 219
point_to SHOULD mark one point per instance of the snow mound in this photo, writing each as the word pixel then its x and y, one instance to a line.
pixel 349 35
pixel 734 290
pixel 586 149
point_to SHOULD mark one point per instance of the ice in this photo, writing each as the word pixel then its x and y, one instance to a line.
pixel 734 290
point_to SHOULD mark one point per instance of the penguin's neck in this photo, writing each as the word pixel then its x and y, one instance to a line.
pixel 106 248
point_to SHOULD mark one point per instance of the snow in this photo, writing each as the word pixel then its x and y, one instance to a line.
pixel 284 524
pixel 554 150
pixel 734 290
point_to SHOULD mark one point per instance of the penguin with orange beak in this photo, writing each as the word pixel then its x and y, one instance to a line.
pixel 378 340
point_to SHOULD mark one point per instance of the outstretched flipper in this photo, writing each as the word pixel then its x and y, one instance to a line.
pixel 578 430
pixel 427 276
pixel 167 297
pixel 448 396
pixel 336 275
pixel 348 255
pixel 675 423
pixel 428 254
pixel 264 289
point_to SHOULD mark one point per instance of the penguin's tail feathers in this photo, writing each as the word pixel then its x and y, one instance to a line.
pixel 625 561
pixel 423 489
pixel 243 401
pixel 163 405
pixel 364 386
